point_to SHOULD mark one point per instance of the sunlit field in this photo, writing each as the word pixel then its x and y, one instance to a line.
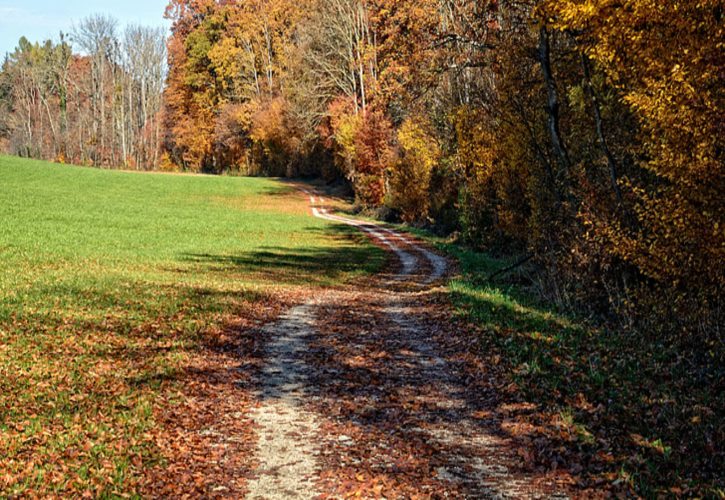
pixel 109 280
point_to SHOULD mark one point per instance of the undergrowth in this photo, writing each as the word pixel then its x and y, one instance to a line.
pixel 641 414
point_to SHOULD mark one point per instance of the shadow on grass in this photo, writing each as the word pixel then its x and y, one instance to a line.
pixel 350 256
pixel 299 267
pixel 278 190
pixel 633 408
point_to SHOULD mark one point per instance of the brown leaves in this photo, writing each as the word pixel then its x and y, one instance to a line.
pixel 383 408
pixel 205 436
pixel 93 412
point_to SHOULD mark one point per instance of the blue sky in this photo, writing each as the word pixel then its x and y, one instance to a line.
pixel 38 20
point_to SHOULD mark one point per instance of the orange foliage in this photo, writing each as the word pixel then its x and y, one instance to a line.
pixel 374 152
pixel 273 131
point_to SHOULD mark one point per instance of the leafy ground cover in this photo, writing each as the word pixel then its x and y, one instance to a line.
pixel 122 296
pixel 616 408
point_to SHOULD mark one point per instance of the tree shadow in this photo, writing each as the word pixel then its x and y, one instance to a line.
pixel 610 405
pixel 302 266
pixel 280 189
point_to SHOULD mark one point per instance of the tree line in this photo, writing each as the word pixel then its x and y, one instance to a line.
pixel 583 136
pixel 93 97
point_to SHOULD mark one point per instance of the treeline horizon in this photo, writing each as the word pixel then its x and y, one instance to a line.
pixel 92 97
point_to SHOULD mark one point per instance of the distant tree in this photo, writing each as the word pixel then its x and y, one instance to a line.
pixel 103 106
pixel 96 36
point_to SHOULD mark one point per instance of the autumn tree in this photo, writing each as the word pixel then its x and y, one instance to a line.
pixel 661 62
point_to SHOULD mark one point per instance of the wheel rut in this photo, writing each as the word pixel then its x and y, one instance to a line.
pixel 286 449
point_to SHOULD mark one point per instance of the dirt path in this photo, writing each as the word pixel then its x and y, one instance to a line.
pixel 286 431
pixel 357 398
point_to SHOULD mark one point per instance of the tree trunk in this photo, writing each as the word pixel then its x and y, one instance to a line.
pixel 552 108
pixel 611 162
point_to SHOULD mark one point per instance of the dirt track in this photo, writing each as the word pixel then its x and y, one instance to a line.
pixel 356 397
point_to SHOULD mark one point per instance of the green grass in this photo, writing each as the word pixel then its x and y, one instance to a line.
pixel 624 405
pixel 108 280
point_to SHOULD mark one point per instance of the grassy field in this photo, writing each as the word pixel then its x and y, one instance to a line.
pixel 109 280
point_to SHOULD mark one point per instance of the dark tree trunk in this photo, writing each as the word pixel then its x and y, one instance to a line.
pixel 612 163
pixel 552 108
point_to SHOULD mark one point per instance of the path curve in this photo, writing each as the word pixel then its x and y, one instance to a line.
pixel 290 436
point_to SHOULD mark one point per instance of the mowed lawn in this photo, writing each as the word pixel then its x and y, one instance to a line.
pixel 109 280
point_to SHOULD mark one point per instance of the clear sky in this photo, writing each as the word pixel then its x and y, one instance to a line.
pixel 39 20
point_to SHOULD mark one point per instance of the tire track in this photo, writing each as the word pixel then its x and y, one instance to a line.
pixel 474 457
pixel 286 430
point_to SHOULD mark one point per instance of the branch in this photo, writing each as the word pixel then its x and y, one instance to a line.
pixel 519 263
pixel 456 38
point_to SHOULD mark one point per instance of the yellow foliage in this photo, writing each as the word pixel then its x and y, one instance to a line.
pixel 665 61
pixel 167 164
pixel 345 133
pixel 411 175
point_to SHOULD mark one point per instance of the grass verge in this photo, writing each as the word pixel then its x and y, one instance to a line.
pixel 617 409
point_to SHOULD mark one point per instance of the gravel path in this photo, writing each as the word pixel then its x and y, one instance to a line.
pixel 286 431
pixel 355 398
